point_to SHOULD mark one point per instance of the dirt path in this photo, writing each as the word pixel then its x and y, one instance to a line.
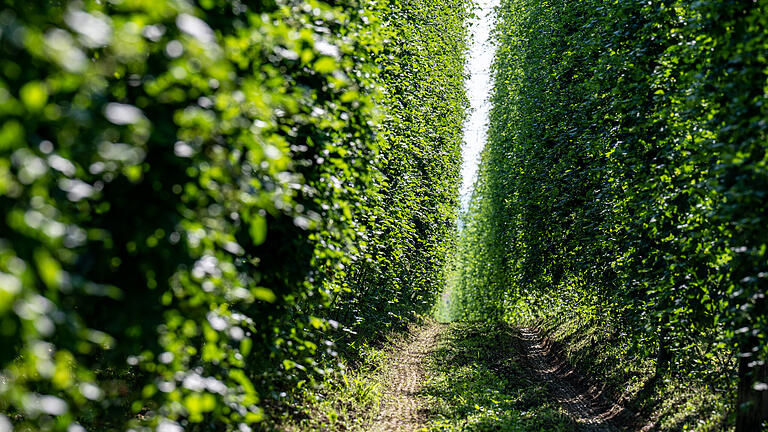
pixel 585 405
pixel 403 408
pixel 401 405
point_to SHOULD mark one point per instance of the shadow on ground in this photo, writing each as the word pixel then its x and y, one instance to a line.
pixel 667 402
pixel 481 381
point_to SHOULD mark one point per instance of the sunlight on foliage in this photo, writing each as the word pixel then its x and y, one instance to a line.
pixel 625 177
pixel 200 199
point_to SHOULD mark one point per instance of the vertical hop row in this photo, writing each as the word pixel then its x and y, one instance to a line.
pixel 178 185
pixel 625 176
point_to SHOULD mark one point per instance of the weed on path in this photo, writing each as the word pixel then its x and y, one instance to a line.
pixel 493 377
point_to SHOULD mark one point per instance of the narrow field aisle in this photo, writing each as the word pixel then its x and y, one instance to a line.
pixel 402 405
pixel 489 377
pixel 486 376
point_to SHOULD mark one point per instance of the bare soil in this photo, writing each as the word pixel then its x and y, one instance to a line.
pixel 402 407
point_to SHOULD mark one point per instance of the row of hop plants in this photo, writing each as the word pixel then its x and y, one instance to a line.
pixel 199 198
pixel 625 177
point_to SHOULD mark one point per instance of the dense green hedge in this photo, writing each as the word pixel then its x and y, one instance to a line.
pixel 412 229
pixel 625 176
pixel 190 191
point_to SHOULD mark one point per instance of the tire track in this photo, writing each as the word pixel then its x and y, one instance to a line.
pixel 402 406
pixel 593 412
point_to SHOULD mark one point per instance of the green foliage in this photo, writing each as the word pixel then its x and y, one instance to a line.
pixel 412 226
pixel 190 191
pixel 625 176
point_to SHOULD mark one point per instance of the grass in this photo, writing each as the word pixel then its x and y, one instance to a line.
pixel 670 402
pixel 348 398
pixel 478 383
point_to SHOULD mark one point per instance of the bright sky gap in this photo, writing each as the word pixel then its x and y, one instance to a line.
pixel 479 85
